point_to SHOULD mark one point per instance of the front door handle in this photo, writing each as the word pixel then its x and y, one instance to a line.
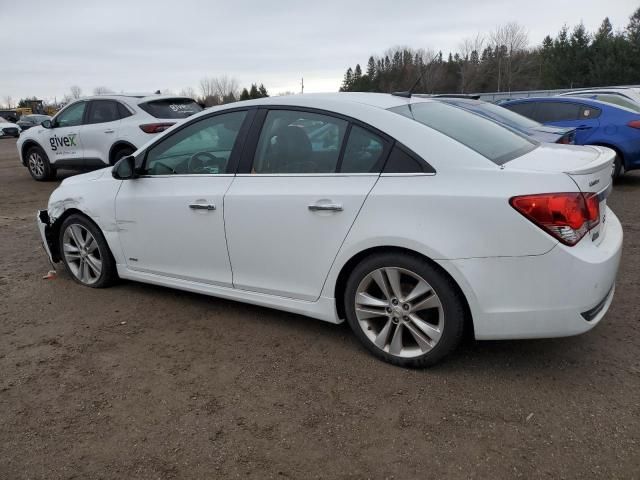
pixel 202 206
pixel 109 131
pixel 331 207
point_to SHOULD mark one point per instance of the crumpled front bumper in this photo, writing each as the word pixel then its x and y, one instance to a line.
pixel 44 228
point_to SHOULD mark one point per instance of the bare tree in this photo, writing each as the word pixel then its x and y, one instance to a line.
pixel 509 41
pixel 469 65
pixel 218 90
pixel 76 92
pixel 102 90
pixel 188 92
pixel 8 101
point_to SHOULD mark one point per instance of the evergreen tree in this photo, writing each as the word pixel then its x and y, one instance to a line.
pixel 253 92
pixel 263 91
pixel 245 94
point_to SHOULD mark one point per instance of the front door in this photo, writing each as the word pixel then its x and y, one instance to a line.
pixel 63 142
pixel 171 219
pixel 287 217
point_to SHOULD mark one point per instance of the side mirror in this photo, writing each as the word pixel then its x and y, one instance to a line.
pixel 47 124
pixel 125 168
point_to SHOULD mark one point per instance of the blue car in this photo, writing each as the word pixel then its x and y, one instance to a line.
pixel 596 123
pixel 537 131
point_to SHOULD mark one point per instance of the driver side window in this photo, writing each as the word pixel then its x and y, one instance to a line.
pixel 202 148
pixel 71 116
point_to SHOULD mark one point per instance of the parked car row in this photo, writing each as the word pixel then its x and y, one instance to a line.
pixel 413 219
pixel 97 131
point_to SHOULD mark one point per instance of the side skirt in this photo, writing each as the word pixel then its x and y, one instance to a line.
pixel 322 309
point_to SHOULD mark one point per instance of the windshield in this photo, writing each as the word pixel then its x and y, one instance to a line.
pixel 612 99
pixel 491 140
pixel 171 107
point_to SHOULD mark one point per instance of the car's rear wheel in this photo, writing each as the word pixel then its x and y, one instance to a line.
pixel 121 153
pixel 39 166
pixel 404 310
pixel 85 253
pixel 617 167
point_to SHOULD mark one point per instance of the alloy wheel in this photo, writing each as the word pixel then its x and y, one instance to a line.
pixel 82 254
pixel 36 164
pixel 399 312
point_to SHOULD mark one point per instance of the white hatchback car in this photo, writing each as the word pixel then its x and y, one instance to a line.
pixel 97 131
pixel 410 218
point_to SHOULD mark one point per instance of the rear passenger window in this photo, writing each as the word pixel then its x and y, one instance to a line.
pixel 557 111
pixel 525 109
pixel 363 153
pixel 402 160
pixel 589 112
pixel 102 111
pixel 298 142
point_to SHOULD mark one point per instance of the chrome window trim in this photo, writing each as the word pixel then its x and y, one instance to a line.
pixel 308 175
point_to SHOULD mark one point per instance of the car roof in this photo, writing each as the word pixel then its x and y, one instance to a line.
pixel 140 98
pixel 379 100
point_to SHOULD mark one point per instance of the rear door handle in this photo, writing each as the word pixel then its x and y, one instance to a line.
pixel 202 206
pixel 108 131
pixel 331 207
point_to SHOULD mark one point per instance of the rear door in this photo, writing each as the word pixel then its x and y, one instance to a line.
pixel 100 131
pixel 303 179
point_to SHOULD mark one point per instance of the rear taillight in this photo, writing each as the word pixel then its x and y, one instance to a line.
pixel 634 124
pixel 567 139
pixel 155 127
pixel 565 216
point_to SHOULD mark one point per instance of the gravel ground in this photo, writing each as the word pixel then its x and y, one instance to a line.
pixel 138 381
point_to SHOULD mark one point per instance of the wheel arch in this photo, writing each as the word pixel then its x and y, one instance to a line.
pixel 25 148
pixel 117 146
pixel 55 229
pixel 351 263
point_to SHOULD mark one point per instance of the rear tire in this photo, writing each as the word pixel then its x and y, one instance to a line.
pixel 39 166
pixel 617 167
pixel 404 310
pixel 85 253
pixel 121 153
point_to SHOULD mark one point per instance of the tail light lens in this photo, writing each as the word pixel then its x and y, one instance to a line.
pixel 634 124
pixel 155 127
pixel 565 216
pixel 567 139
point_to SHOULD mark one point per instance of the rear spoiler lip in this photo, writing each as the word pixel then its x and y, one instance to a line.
pixel 597 163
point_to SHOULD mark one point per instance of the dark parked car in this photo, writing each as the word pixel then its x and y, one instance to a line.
pixel 536 130
pixel 28 121
pixel 596 123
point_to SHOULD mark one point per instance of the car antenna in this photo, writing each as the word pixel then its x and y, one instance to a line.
pixel 409 92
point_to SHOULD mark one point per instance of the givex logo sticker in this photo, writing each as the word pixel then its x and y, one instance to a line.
pixel 66 141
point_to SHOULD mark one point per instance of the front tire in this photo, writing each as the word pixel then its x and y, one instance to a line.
pixel 39 166
pixel 85 253
pixel 404 310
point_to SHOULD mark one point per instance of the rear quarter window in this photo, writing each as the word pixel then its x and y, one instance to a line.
pixel 171 107
pixel 557 112
pixel 490 139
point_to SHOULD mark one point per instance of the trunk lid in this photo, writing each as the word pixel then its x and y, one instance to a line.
pixel 589 167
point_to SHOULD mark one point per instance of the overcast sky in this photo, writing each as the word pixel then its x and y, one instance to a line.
pixel 141 46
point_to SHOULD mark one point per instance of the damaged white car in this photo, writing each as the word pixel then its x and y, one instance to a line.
pixel 377 209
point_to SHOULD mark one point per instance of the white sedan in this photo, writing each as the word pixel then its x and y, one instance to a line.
pixel 410 218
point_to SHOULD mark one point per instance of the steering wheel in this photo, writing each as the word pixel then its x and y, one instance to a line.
pixel 201 162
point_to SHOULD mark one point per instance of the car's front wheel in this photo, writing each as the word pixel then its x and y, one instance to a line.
pixel 38 165
pixel 404 310
pixel 85 253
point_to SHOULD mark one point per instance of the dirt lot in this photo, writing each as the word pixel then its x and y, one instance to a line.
pixel 196 387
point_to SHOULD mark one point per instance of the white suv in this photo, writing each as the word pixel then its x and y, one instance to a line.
pixel 97 131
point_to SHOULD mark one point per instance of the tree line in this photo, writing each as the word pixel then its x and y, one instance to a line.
pixel 503 61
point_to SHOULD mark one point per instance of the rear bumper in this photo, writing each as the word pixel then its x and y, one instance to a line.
pixel 564 292
pixel 42 220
